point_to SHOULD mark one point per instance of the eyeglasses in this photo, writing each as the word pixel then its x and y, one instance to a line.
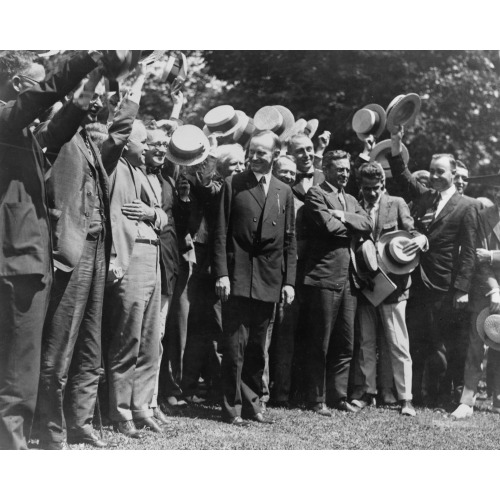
pixel 29 79
pixel 158 145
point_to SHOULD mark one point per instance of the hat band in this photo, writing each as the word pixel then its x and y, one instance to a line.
pixel 391 257
pixel 224 127
pixel 185 155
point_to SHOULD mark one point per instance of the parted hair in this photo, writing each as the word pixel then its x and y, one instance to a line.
pixel 372 171
pixel 264 133
pixel 14 62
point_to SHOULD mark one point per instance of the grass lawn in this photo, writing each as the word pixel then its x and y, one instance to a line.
pixel 201 428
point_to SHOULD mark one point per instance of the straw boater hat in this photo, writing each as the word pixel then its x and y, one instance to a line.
pixel 488 328
pixel 312 127
pixel 299 127
pixel 402 110
pixel 369 120
pixel 278 119
pixel 176 68
pixel 381 150
pixel 245 129
pixel 223 121
pixel 392 258
pixel 364 259
pixel 188 146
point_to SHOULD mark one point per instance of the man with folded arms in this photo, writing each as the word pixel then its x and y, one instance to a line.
pixel 448 220
pixel 25 249
pixel 255 259
pixel 388 213
pixel 335 218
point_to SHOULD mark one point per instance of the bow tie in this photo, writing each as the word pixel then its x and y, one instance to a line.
pixel 305 176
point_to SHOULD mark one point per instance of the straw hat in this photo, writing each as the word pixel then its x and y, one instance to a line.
pixel 223 121
pixel 175 68
pixel 488 328
pixel 402 110
pixel 379 154
pixel 369 120
pixel 278 119
pixel 299 127
pixel 188 146
pixel 245 130
pixel 365 259
pixel 312 127
pixel 392 257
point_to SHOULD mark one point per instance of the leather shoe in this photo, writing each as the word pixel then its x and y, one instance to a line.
pixel 463 411
pixel 407 409
pixel 238 422
pixel 128 428
pixel 261 419
pixel 53 445
pixel 387 398
pixel 364 401
pixel 320 409
pixel 160 416
pixel 149 423
pixel 263 407
pixel 90 438
pixel 343 405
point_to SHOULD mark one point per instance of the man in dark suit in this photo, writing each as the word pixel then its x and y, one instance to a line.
pixel 25 249
pixel 335 219
pixel 448 219
pixel 255 261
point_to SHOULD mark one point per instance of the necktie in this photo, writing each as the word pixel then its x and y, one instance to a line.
pixel 430 213
pixel 261 184
pixel 342 201
pixel 371 212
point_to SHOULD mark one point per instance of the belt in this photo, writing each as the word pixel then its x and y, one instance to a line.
pixel 147 241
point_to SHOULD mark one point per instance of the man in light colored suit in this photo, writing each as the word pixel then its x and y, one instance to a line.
pixel 388 213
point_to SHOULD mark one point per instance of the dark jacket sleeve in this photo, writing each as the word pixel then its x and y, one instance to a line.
pixel 290 243
pixel 60 129
pixel 358 221
pixel 467 257
pixel 317 211
pixel 221 228
pixel 410 187
pixel 31 103
pixel 119 132
pixel 405 220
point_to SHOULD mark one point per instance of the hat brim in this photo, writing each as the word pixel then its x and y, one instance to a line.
pixel 378 154
pixel 386 264
pixel 479 326
pixel 395 107
pixel 187 163
pixel 288 121
pixel 226 133
pixel 382 123
pixel 312 127
pixel 298 127
pixel 362 273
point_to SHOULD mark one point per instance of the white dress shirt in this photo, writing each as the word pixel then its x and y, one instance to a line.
pixel 268 180
pixel 444 198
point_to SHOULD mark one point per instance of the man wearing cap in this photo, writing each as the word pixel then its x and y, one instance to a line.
pixel 255 259
pixel 25 249
pixel 449 221
pixel 335 220
pixel 389 214
pixel 485 300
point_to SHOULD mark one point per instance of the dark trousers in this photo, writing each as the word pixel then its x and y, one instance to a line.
pixel 438 343
pixel 244 323
pixel 23 304
pixel 71 348
pixel 330 342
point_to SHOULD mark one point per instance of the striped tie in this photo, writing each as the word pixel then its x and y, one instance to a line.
pixel 430 213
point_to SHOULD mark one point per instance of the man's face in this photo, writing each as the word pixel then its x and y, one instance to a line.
pixel 262 154
pixel 234 163
pixel 337 172
pixel 95 104
pixel 157 149
pixel 137 145
pixel 286 171
pixel 441 174
pixel 461 179
pixel 29 77
pixel 371 189
pixel 302 149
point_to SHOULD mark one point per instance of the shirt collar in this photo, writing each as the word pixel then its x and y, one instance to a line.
pixel 334 189
pixel 448 193
pixel 267 176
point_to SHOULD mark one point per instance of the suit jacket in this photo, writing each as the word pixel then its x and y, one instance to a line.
pixel 449 262
pixel 255 244
pixel 24 222
pixel 394 214
pixel 487 275
pixel 70 183
pixel 328 260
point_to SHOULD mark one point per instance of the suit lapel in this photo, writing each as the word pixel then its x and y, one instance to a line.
pixel 273 198
pixel 494 221
pixel 332 195
pixel 84 148
pixel 254 188
pixel 383 214
pixel 447 209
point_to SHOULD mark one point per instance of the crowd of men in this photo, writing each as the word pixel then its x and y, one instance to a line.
pixel 146 267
